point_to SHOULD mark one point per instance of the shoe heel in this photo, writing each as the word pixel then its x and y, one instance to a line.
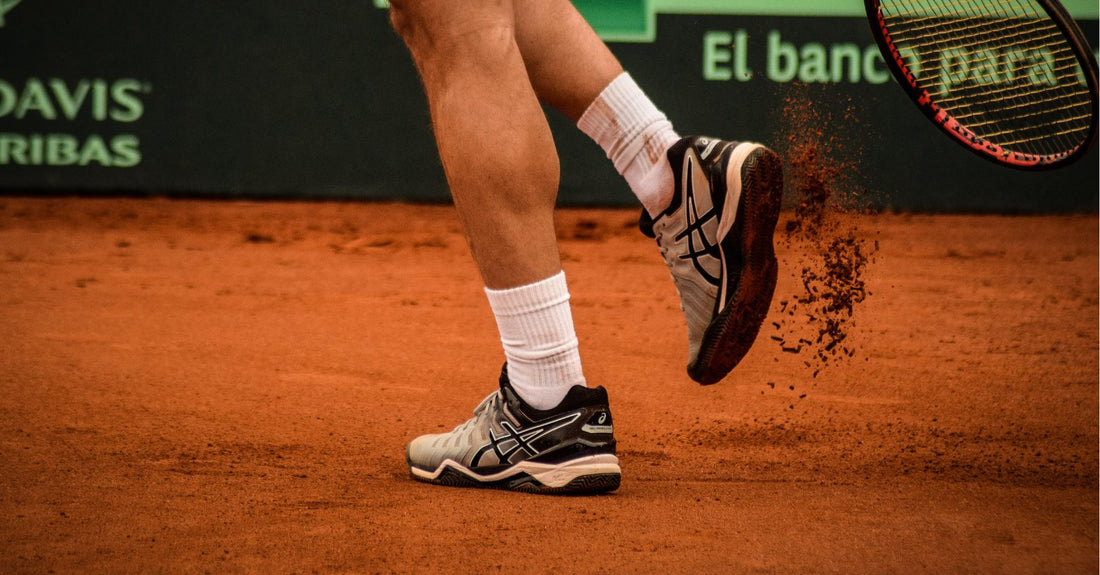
pixel 592 474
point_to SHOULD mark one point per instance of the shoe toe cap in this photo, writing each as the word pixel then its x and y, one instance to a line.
pixel 429 451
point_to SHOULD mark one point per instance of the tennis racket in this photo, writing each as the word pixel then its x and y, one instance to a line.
pixel 1011 80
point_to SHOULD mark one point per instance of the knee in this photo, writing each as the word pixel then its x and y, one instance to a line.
pixel 404 16
pixel 430 24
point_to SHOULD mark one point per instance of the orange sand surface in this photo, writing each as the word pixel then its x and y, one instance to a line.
pixel 192 386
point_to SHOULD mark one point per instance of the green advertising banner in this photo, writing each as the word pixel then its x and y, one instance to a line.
pixel 289 99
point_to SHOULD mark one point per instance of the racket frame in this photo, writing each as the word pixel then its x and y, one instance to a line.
pixel 967 137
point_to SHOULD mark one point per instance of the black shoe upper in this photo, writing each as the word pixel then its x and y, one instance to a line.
pixel 714 165
pixel 590 433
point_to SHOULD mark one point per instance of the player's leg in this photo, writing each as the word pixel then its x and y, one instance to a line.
pixel 568 64
pixel 502 168
pixel 543 430
pixel 711 205
pixel 493 140
pixel 570 67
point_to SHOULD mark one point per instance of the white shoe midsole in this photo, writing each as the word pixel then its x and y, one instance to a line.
pixel 550 475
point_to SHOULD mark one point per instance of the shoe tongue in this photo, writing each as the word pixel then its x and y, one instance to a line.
pixel 509 394
pixel 675 158
pixel 503 381
pixel 645 225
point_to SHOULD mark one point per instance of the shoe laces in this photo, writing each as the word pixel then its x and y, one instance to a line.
pixel 491 403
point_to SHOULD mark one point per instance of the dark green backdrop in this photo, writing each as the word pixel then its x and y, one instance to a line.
pixel 319 99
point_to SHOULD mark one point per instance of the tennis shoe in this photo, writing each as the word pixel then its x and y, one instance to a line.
pixel 508 444
pixel 716 239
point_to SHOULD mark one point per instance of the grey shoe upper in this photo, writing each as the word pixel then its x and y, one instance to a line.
pixel 687 232
pixel 505 431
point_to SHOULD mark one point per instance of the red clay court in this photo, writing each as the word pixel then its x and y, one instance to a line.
pixel 191 386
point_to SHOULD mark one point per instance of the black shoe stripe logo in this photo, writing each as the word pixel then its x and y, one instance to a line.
pixel 694 230
pixel 523 438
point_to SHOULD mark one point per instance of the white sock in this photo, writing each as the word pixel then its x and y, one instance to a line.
pixel 635 135
pixel 536 328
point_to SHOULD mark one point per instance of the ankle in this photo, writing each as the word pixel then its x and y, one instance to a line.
pixel 540 343
pixel 636 137
pixel 656 188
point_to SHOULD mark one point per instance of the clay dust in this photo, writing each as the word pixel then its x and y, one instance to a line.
pixel 832 255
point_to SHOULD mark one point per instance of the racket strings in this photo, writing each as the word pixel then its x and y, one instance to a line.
pixel 1000 67
pixel 1051 38
pixel 931 32
pixel 1051 129
pixel 963 7
pixel 1061 75
pixel 1012 104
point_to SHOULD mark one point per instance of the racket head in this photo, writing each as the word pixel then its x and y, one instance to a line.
pixel 1030 102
